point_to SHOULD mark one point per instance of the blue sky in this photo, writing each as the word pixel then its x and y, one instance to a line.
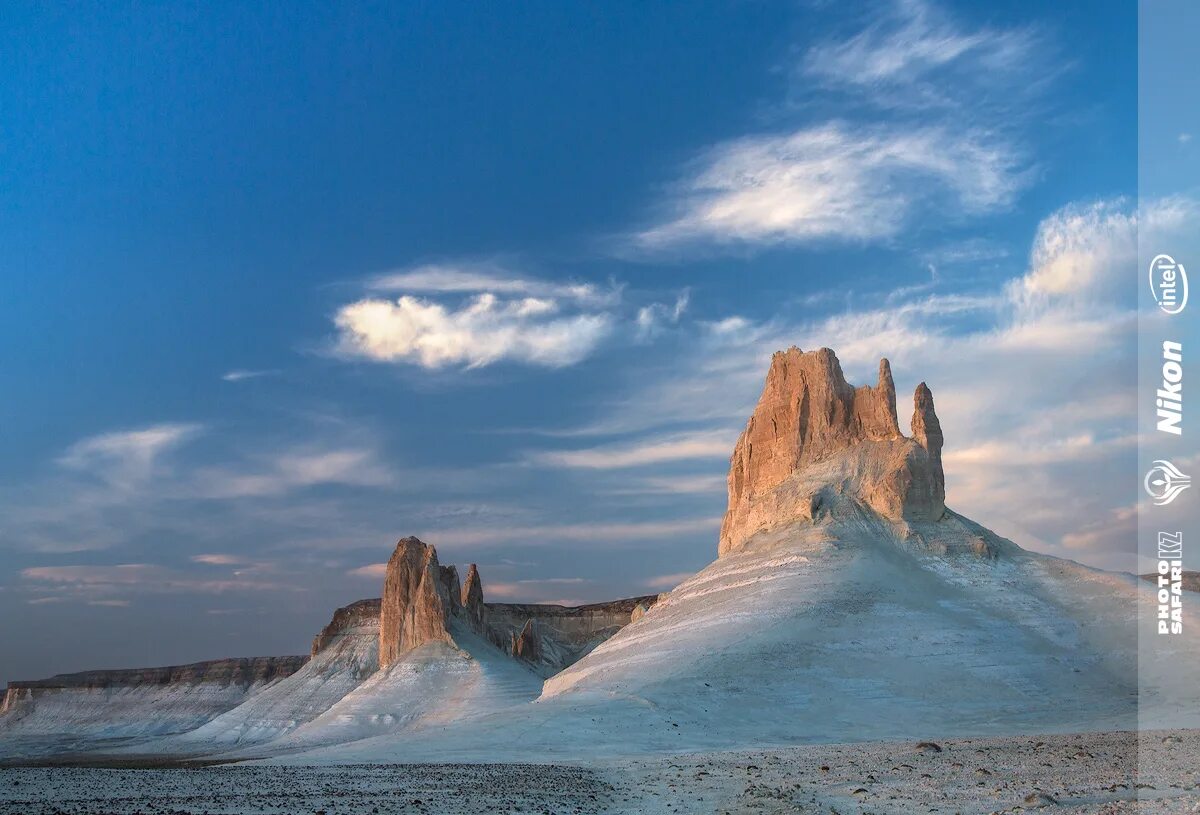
pixel 283 284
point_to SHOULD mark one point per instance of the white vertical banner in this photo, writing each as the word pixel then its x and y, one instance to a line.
pixel 1168 498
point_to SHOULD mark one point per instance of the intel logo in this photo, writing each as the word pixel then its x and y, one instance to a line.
pixel 1168 284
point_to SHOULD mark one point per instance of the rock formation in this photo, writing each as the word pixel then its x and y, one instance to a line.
pixel 808 419
pixel 416 601
pixel 363 612
pixel 472 598
pixel 526 645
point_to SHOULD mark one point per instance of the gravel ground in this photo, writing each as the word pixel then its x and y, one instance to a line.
pixel 1090 773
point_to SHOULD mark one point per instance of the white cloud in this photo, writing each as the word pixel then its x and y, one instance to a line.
pixel 667 582
pixel 1077 247
pixel 241 375
pixel 125 458
pixel 218 559
pixel 652 319
pixel 373 571
pixel 837 181
pixel 484 331
pixel 92 582
pixel 613 533
pixel 487 278
pixel 900 55
pixel 656 450
pixel 295 469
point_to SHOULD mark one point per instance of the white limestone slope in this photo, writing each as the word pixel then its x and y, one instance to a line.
pixel 851 630
pixel 425 689
pixel 339 668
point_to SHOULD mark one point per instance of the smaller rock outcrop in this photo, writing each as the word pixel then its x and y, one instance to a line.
pixel 416 602
pixel 527 645
pixel 927 432
pixel 360 613
pixel 472 598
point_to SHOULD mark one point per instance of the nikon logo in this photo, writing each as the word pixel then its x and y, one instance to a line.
pixel 1169 397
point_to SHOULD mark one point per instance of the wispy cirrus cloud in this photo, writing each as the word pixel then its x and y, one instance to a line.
pixel 243 374
pixel 914 55
pixel 473 278
pixel 95 582
pixel 837 182
pixel 124 458
pixel 656 450
pixel 927 127
pixel 550 533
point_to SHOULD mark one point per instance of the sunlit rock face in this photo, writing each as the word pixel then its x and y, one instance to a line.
pixel 814 439
pixel 416 601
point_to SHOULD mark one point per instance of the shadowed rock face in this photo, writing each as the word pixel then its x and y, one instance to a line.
pixel 416 602
pixel 807 417
pixel 526 645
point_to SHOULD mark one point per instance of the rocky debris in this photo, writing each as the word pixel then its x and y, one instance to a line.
pixel 638 612
pixel 526 645
pixel 1039 799
pixel 416 605
pixel 472 598
pixel 813 438
pixel 361 612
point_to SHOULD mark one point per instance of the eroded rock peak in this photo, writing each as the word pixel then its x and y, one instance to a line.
pixel 808 414
pixel 416 600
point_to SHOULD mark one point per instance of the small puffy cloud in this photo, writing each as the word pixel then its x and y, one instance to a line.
pixel 839 182
pixel 484 331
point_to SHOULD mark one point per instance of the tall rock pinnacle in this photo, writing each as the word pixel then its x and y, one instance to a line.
pixel 927 432
pixel 472 597
pixel 416 602
pixel 808 414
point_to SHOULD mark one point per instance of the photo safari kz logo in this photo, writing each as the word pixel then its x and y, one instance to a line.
pixel 1168 284
pixel 1165 481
